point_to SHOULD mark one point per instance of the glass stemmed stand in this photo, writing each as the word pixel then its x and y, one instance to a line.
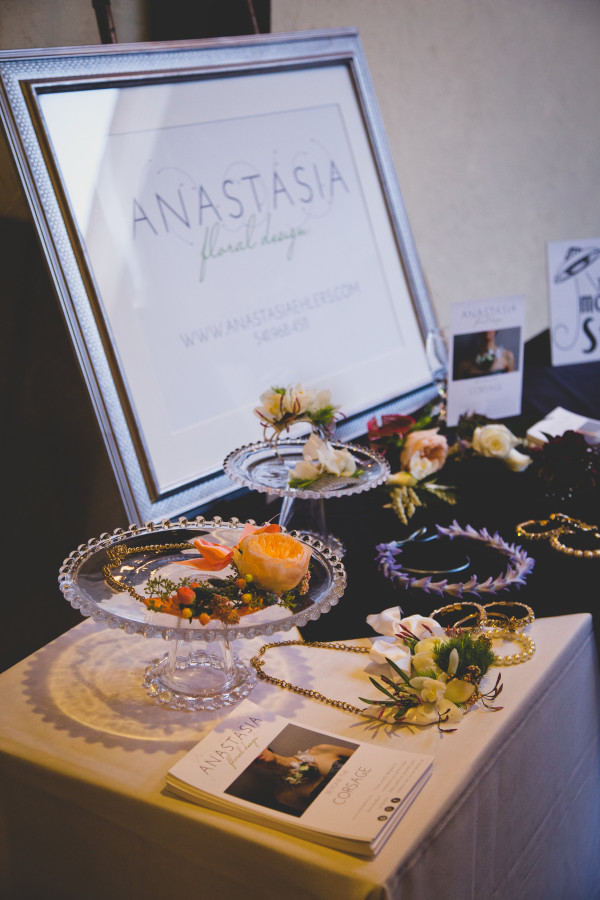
pixel 437 359
pixel 265 466
pixel 200 669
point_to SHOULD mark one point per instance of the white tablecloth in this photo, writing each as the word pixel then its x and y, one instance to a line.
pixel 511 811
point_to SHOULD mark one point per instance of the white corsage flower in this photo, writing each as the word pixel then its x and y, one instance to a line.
pixel 320 458
pixel 297 400
pixel 271 408
pixel 423 654
pixel 429 689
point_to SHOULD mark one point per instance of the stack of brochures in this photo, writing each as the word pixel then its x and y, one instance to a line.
pixel 560 420
pixel 348 795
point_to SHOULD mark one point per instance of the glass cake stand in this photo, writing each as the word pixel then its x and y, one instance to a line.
pixel 266 468
pixel 200 669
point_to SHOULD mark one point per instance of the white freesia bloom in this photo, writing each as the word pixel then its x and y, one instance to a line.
pixel 429 689
pixel 453 662
pixel 321 458
pixel 297 400
pixel 271 406
pixel 494 441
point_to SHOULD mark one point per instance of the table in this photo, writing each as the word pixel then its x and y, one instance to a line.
pixel 511 811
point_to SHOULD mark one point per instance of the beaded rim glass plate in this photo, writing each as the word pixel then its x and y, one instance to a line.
pixel 83 583
pixel 187 677
pixel 264 468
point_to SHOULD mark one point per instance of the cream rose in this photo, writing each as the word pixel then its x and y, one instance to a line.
pixel 494 441
pixel 424 452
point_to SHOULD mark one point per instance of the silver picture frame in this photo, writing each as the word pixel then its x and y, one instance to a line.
pixel 121 249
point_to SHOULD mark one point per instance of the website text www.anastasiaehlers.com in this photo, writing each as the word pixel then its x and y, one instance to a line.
pixel 271 322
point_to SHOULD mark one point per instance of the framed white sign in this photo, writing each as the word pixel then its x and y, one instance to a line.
pixel 219 217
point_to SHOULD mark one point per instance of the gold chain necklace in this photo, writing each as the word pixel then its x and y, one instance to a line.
pixel 116 556
pixel 257 663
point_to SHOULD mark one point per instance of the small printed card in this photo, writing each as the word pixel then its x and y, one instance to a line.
pixel 348 795
pixel 485 371
pixel 574 284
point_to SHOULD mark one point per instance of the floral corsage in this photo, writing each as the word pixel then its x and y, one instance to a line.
pixel 268 567
pixel 282 407
pixel 435 676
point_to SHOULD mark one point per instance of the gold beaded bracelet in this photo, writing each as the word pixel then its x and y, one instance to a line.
pixel 478 611
pixel 559 524
pixel 511 623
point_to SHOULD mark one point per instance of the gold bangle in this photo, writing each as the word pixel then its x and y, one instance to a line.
pixel 478 611
pixel 558 545
pixel 512 659
pixel 512 623
pixel 545 529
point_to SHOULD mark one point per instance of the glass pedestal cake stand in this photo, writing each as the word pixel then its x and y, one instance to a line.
pixel 200 669
pixel 266 468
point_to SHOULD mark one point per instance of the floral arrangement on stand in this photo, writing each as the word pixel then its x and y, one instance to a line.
pixel 417 451
pixel 435 675
pixel 268 567
pixel 282 407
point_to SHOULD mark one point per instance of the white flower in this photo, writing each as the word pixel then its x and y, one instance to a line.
pixel 272 406
pixel 494 441
pixel 453 662
pixel 320 400
pixel 390 622
pixel 517 462
pixel 423 654
pixel 297 400
pixel 422 626
pixel 321 458
pixel 429 689
pixel 306 471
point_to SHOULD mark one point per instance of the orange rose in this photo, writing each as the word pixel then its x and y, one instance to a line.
pixel 278 562
pixel 424 452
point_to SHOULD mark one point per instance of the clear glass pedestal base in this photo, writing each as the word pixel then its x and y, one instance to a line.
pixel 198 680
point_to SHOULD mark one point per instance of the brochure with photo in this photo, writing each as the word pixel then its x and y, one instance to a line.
pixel 347 795
pixel 485 373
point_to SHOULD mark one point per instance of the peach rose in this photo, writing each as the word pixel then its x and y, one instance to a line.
pixel 278 562
pixel 424 452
